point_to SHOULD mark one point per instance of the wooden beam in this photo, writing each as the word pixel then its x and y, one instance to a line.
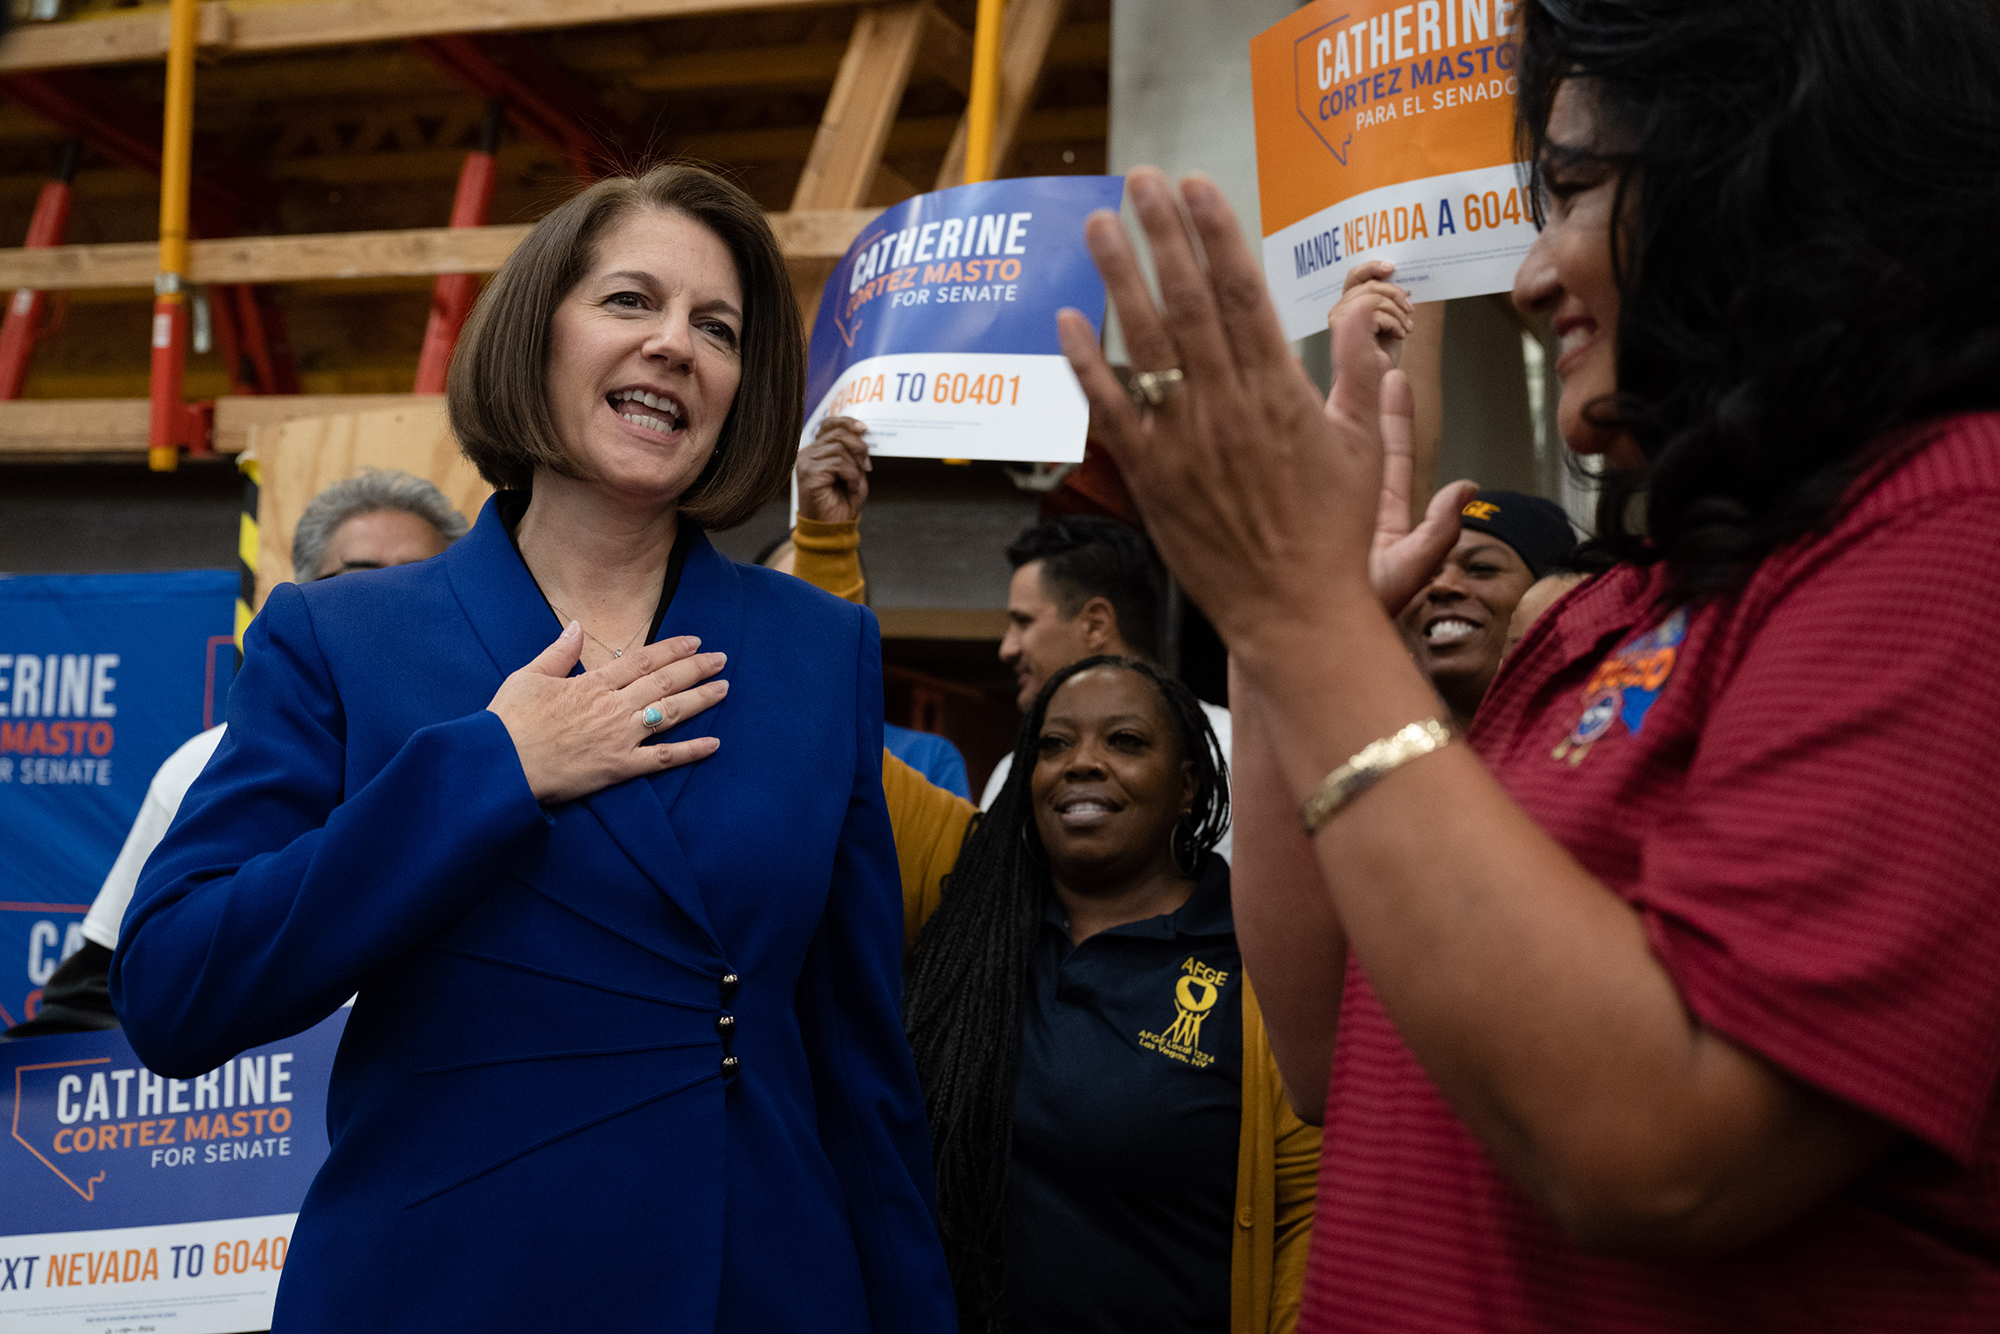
pixel 290 25
pixel 811 66
pixel 268 259
pixel 811 235
pixel 889 188
pixel 1030 31
pixel 819 233
pixel 854 128
pixel 63 428
pixel 97 427
pixel 946 50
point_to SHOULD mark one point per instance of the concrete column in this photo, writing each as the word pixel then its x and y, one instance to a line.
pixel 1180 97
pixel 1489 432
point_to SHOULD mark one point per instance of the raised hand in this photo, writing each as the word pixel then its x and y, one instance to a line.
pixel 833 472
pixel 1403 558
pixel 577 735
pixel 1395 315
pixel 1261 500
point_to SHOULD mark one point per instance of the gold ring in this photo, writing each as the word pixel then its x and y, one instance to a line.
pixel 1149 389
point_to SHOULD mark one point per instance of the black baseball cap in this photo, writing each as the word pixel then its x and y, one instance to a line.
pixel 1537 529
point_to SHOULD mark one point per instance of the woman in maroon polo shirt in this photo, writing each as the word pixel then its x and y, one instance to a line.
pixel 1671 995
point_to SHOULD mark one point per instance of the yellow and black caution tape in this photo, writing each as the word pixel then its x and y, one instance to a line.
pixel 246 547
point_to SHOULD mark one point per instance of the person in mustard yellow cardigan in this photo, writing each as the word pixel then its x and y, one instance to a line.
pixel 1276 1154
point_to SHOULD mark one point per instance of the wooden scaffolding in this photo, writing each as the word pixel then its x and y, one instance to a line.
pixel 330 135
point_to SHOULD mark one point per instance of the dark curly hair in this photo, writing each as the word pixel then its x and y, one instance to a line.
pixel 962 988
pixel 1808 195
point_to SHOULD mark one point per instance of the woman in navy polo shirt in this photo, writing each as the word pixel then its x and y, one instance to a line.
pixel 1113 1148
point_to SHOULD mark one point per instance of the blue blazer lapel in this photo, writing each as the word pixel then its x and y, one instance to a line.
pixel 708 604
pixel 513 623
pixel 498 594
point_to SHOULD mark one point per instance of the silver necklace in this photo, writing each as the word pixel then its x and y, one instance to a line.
pixel 615 652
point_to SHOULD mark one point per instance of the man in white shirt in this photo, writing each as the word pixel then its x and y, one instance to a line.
pixel 381 518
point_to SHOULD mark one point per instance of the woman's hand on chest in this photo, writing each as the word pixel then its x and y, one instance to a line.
pixel 576 735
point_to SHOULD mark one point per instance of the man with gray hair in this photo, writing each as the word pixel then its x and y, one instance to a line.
pixel 381 518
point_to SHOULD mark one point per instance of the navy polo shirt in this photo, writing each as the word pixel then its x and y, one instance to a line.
pixel 1127 1109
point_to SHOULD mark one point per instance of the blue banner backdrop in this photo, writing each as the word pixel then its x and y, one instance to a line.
pixel 102 676
pixel 938 327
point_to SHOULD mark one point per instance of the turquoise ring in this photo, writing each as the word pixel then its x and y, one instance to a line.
pixel 652 717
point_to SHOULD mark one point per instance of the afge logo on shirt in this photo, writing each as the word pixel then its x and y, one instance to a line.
pixel 1196 991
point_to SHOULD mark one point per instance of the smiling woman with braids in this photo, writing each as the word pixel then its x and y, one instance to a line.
pixel 1113 1148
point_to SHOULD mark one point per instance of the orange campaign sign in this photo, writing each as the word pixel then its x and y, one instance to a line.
pixel 1386 131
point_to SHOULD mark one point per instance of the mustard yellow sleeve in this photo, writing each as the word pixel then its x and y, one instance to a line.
pixel 930 825
pixel 1297 1163
pixel 828 556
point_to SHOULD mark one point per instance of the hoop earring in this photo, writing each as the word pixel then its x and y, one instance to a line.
pixel 1032 849
pixel 1181 841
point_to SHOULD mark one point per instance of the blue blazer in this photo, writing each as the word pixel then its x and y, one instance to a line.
pixel 533 1126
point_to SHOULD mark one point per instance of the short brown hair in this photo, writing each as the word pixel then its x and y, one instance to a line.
pixel 498 390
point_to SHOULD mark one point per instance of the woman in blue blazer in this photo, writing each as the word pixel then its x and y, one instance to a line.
pixel 626 1051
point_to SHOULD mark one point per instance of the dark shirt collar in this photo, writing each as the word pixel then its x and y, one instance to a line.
pixel 1206 913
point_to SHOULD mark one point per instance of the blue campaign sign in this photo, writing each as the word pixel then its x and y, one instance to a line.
pixel 938 328
pixel 127 1198
pixel 102 676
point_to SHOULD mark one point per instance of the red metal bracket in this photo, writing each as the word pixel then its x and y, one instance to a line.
pixel 543 98
pixel 453 293
pixel 265 346
pixel 23 324
pixel 197 430
pixel 227 196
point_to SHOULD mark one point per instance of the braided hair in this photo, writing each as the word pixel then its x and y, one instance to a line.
pixel 962 988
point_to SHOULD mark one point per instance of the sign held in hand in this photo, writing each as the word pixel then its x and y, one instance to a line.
pixel 938 327
pixel 1385 130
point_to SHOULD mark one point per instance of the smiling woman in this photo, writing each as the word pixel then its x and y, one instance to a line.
pixel 595 261
pixel 1113 1148
pixel 1457 626
pixel 566 934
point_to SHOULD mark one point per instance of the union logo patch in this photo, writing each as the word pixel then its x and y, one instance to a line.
pixel 1196 991
pixel 1624 687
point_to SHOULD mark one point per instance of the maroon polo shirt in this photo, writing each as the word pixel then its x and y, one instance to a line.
pixel 1798 789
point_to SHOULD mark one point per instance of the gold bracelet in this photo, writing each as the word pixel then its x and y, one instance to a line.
pixel 1369 766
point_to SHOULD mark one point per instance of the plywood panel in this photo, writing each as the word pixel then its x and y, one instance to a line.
pixel 303 457
pixel 240 417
